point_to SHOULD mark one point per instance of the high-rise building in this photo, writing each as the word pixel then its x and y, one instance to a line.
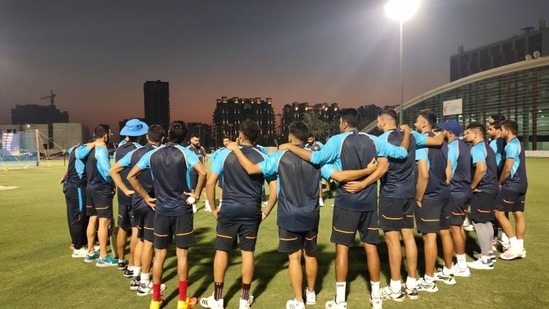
pixel 531 43
pixel 157 103
pixel 229 113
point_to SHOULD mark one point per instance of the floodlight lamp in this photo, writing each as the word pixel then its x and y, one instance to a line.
pixel 401 10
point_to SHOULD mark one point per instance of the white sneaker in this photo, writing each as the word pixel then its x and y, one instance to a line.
pixel 294 304
pixel 458 272
pixel 387 293
pixel 376 302
pixel 310 297
pixel 321 202
pixel 480 264
pixel 145 289
pixel 423 286
pixel 79 253
pixel 492 256
pixel 194 208
pixel 246 304
pixel 469 228
pixel 512 254
pixel 210 302
pixel 331 304
pixel 207 207
pixel 448 279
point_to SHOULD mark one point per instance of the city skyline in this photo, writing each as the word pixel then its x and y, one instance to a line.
pixel 96 56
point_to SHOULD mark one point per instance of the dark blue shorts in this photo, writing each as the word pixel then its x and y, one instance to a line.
pixel 144 220
pixel 346 223
pixel 229 233
pixel 482 207
pixel 289 242
pixel 396 213
pixel 428 216
pixel 99 204
pixel 508 200
pixel 179 228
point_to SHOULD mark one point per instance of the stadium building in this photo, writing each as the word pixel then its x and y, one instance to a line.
pixel 520 91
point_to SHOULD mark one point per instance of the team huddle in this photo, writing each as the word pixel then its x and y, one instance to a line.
pixel 427 178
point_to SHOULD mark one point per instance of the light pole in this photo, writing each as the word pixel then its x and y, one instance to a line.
pixel 401 10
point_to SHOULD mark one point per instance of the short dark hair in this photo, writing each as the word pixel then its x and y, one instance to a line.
pixel 429 116
pixel 496 118
pixel 194 135
pixel 510 125
pixel 101 130
pixel 477 126
pixel 496 125
pixel 177 132
pixel 250 129
pixel 388 112
pixel 299 130
pixel 155 133
pixel 226 137
pixel 311 135
pixel 350 115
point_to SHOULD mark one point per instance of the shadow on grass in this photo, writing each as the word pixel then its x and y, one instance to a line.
pixel 200 264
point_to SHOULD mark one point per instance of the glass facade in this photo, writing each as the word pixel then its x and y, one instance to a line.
pixel 520 92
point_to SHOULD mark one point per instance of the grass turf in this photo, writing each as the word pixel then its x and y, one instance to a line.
pixel 37 270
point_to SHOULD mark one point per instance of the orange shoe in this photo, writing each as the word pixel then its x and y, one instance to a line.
pixel 189 303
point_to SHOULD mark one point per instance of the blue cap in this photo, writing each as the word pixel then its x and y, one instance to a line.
pixel 451 126
pixel 134 127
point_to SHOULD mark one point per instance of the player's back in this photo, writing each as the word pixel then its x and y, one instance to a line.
pixel 357 150
pixel 298 181
pixel 170 173
pixel 241 192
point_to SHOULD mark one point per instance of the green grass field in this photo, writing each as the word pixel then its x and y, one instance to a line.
pixel 37 270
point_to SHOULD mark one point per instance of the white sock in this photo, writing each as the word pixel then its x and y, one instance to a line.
pixel 411 283
pixel 395 286
pixel 513 242
pixel 340 291
pixel 145 277
pixel 447 271
pixel 504 237
pixel 520 244
pixel 136 271
pixel 462 261
pixel 375 288
pixel 429 279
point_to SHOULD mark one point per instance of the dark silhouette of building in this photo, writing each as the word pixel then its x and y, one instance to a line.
pixel 531 43
pixel 39 114
pixel 229 113
pixel 157 103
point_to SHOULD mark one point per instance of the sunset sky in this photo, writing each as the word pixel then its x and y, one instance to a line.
pixel 96 55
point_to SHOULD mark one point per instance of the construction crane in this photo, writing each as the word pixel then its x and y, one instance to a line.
pixel 51 97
